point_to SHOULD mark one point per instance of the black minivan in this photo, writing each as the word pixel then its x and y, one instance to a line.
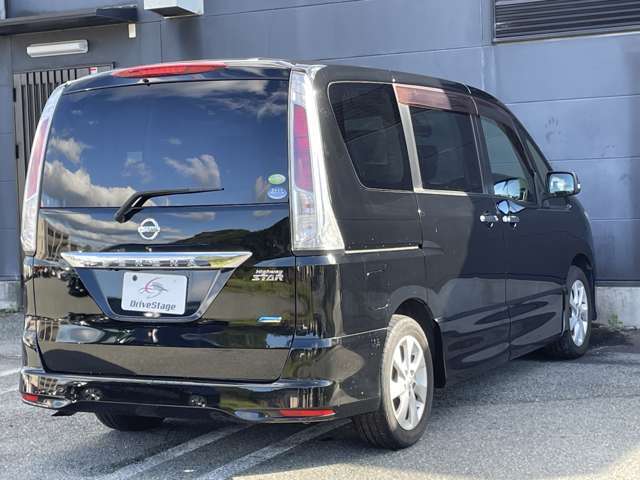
pixel 289 243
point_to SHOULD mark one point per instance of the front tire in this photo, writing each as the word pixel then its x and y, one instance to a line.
pixel 128 423
pixel 574 342
pixel 406 382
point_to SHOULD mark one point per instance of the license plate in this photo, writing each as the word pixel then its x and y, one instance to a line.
pixel 148 292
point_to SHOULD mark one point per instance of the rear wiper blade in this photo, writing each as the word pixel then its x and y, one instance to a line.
pixel 125 212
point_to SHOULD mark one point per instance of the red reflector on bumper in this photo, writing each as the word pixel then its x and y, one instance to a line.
pixel 297 412
pixel 29 397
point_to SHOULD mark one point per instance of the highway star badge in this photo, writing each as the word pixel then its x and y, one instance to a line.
pixel 268 275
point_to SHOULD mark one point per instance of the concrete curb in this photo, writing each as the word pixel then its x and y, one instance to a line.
pixel 11 325
pixel 618 306
pixel 10 295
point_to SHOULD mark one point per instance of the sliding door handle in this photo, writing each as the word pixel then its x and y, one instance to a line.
pixel 489 218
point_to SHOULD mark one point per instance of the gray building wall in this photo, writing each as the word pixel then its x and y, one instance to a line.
pixel 9 252
pixel 579 97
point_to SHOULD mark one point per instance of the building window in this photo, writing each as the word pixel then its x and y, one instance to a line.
pixel 529 19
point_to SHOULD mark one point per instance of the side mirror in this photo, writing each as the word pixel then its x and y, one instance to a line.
pixel 562 184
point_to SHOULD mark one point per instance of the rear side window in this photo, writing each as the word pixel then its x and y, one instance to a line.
pixel 446 150
pixel 368 117
pixel 107 144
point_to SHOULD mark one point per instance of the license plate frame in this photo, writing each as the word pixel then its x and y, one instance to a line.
pixel 157 293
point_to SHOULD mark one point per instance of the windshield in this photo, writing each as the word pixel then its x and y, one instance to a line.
pixel 109 143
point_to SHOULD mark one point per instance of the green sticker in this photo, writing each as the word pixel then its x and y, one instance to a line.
pixel 277 179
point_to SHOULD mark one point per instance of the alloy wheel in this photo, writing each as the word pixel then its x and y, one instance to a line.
pixel 408 384
pixel 579 313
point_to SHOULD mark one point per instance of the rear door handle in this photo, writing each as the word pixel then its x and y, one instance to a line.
pixel 512 219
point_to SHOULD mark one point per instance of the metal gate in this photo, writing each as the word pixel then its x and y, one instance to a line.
pixel 30 93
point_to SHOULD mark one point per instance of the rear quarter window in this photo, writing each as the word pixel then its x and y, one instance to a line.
pixel 109 143
pixel 368 117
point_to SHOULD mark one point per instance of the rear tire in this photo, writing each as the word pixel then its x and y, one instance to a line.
pixel 393 426
pixel 574 342
pixel 128 423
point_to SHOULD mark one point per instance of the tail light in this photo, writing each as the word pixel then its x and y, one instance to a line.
pixel 29 397
pixel 168 69
pixel 313 223
pixel 31 199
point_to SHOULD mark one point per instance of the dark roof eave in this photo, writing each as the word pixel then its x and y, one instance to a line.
pixel 85 17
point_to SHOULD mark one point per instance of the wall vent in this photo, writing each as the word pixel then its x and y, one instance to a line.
pixel 530 19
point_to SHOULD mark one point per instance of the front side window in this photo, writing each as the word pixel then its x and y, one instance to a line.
pixel 511 177
pixel 541 164
pixel 446 150
pixel 368 117
pixel 542 167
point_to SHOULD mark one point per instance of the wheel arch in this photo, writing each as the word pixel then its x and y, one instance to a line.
pixel 421 313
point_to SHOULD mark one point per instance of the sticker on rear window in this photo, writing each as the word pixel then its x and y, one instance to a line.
pixel 277 193
pixel 277 179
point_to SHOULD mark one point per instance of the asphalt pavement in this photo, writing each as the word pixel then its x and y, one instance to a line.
pixel 534 418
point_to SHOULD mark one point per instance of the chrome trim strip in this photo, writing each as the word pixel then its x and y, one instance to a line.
pixel 66 379
pixel 270 320
pixel 156 260
pixel 412 149
pixel 456 193
pixel 382 250
pixel 473 99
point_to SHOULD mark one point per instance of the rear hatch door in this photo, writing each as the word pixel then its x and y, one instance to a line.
pixel 196 285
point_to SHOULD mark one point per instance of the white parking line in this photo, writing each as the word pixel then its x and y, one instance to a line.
pixel 256 458
pixel 6 373
pixel 173 453
pixel 14 389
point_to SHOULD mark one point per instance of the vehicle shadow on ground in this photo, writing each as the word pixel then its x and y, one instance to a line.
pixel 522 420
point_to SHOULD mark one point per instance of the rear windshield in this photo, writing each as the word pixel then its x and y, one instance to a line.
pixel 109 143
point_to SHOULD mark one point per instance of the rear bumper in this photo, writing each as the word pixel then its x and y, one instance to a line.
pixel 69 394
pixel 340 374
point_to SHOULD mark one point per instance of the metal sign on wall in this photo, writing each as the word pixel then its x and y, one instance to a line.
pixel 30 93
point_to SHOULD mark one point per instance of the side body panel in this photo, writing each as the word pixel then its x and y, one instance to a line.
pixel 466 280
pixel 352 295
pixel 368 217
pixel 538 253
pixel 533 249
pixel 465 267
pixel 540 247
pixel 344 303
